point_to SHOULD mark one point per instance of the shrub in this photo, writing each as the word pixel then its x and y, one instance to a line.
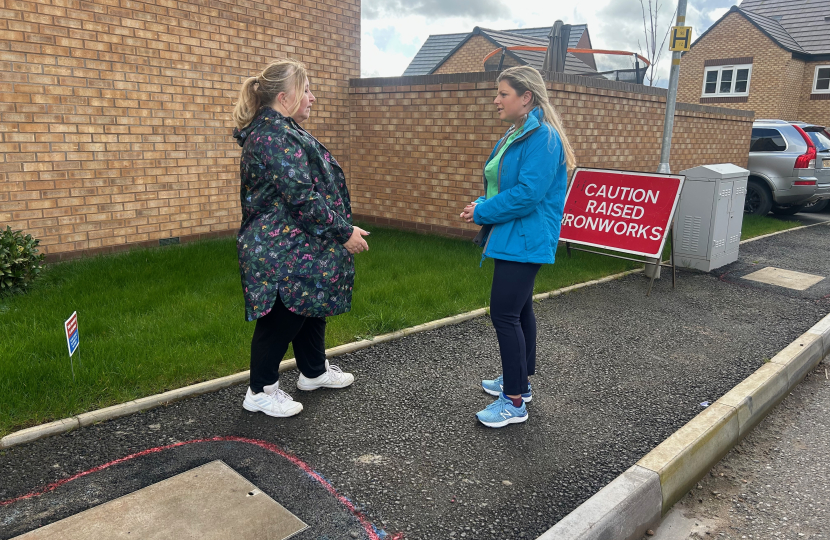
pixel 20 262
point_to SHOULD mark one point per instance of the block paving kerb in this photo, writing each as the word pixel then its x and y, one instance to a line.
pixel 115 120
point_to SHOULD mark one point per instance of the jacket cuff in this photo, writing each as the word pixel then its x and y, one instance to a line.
pixel 344 233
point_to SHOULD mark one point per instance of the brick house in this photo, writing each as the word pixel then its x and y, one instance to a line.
pixel 768 56
pixel 464 53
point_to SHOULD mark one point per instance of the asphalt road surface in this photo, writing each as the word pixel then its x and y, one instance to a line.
pixel 618 373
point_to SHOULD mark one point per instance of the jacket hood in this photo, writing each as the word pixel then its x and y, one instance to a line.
pixel 262 117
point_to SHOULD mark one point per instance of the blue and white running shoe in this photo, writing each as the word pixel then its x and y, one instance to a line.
pixel 495 387
pixel 502 412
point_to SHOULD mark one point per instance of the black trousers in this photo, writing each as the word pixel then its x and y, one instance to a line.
pixel 272 335
pixel 511 310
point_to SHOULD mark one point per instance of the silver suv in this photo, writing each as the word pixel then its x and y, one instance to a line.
pixel 789 167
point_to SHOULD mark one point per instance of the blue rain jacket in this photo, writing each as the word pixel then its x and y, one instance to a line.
pixel 526 215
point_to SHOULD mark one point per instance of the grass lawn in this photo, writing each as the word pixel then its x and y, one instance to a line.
pixel 151 320
pixel 759 225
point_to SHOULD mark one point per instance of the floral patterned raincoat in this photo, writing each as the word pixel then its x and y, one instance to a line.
pixel 296 216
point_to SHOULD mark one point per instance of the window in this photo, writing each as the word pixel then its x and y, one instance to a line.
pixel 820 138
pixel 727 81
pixel 767 140
pixel 821 82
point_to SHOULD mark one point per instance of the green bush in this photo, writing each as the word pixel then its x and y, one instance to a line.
pixel 20 262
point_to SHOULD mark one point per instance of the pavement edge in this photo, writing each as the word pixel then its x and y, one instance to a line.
pixel 625 508
pixel 108 413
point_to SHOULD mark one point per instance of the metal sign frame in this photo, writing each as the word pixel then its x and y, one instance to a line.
pixel 644 258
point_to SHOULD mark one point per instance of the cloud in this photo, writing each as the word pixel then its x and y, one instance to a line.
pixel 388 39
pixel 393 30
pixel 383 54
pixel 376 9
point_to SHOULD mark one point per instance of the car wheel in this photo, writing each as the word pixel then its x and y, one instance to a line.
pixel 758 199
pixel 787 210
pixel 816 206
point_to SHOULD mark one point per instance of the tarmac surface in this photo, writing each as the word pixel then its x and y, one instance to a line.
pixel 618 373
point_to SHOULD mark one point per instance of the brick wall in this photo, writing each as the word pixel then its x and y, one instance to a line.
pixel 791 89
pixel 115 116
pixel 811 109
pixel 735 37
pixel 470 57
pixel 421 142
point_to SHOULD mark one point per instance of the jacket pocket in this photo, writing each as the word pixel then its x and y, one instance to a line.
pixel 535 231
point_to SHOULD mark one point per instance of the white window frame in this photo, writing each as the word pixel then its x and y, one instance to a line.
pixel 815 80
pixel 720 69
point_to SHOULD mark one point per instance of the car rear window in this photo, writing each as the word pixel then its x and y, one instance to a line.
pixel 767 140
pixel 821 140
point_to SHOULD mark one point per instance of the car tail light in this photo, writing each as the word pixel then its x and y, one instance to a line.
pixel 808 159
pixel 804 183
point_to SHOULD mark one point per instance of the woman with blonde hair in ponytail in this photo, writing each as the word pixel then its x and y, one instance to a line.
pixel 296 245
pixel 525 181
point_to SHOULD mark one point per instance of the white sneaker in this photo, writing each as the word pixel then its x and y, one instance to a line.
pixel 332 378
pixel 274 403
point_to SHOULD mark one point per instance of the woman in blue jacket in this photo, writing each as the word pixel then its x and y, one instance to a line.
pixel 525 180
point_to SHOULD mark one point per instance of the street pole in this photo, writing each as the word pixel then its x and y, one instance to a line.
pixel 671 98
pixel 652 268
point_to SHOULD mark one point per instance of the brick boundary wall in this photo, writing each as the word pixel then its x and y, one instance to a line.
pixel 115 125
pixel 419 143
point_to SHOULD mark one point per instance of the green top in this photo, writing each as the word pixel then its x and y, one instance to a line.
pixel 491 170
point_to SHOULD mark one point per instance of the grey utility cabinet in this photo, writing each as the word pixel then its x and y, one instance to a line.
pixel 709 216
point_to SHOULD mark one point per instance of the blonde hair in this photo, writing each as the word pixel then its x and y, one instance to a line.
pixel 526 79
pixel 282 75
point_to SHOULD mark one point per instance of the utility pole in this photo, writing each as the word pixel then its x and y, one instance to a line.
pixel 671 99
pixel 652 268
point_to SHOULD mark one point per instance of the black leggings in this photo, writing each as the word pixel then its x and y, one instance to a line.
pixel 272 335
pixel 511 310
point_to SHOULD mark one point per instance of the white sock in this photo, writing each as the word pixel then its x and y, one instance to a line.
pixel 271 389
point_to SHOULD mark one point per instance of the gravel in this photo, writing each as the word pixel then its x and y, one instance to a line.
pixel 774 484
pixel 618 373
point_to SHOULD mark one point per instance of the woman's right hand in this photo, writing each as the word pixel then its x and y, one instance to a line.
pixel 356 243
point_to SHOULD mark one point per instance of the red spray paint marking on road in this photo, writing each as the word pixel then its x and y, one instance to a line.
pixel 373 532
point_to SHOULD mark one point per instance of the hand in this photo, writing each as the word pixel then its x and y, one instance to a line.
pixel 469 212
pixel 356 243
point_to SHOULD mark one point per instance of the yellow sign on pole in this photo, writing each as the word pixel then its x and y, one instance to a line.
pixel 681 38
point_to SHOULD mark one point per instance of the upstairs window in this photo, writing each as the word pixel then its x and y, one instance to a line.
pixel 726 81
pixel 821 81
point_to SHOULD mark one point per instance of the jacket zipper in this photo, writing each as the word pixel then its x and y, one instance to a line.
pixel 501 162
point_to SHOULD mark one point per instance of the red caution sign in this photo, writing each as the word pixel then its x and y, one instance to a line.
pixel 623 211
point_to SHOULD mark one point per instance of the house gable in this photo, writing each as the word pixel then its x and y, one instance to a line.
pixel 737 40
pixel 469 56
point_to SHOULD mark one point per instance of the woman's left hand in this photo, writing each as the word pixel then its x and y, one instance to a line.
pixel 469 212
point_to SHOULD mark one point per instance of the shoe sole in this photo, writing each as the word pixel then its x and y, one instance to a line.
pixel 254 408
pixel 512 420
pixel 305 388
pixel 494 393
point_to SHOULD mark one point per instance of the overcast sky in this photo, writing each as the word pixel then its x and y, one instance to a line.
pixel 394 30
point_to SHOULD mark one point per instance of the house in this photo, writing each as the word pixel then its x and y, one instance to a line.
pixel 465 52
pixel 768 56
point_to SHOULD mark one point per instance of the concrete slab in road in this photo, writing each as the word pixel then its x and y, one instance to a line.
pixel 209 502
pixel 784 278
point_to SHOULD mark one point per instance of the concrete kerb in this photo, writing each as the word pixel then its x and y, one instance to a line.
pixel 625 508
pixel 149 402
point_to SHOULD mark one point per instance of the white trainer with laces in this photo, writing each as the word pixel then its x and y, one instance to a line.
pixel 334 377
pixel 273 402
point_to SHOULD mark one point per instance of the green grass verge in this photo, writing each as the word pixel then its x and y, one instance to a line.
pixel 760 225
pixel 152 320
